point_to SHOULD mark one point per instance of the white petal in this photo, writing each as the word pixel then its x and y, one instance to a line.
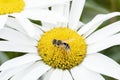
pixel 13 23
pixel 96 22
pixel 3 19
pixel 5 75
pixel 79 26
pixel 56 75
pixel 58 9
pixel 47 75
pixel 14 47
pixel 43 28
pixel 43 15
pixel 43 3
pixel 75 13
pixel 26 24
pixel 38 32
pixel 66 75
pixel 102 64
pixel 33 72
pixel 62 9
pixel 81 73
pixel 66 10
pixel 19 61
pixel 99 35
pixel 48 25
pixel 104 44
pixel 16 37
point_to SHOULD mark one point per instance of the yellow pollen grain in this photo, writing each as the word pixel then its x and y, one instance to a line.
pixel 60 57
pixel 11 6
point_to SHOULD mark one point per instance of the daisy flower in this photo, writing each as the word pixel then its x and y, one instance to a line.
pixel 23 9
pixel 60 52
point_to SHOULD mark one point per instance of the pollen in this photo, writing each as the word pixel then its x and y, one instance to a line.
pixel 11 6
pixel 62 48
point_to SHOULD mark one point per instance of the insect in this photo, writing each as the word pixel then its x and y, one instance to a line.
pixel 60 43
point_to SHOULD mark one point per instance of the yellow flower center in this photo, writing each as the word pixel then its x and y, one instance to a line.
pixel 11 6
pixel 62 48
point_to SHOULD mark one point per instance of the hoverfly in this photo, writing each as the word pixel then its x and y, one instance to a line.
pixel 60 43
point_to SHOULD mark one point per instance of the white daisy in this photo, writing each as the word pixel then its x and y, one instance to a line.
pixel 61 53
pixel 23 9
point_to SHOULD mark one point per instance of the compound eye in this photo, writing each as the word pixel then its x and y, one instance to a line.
pixel 54 41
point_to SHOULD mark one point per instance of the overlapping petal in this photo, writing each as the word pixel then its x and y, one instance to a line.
pixel 81 73
pixel 3 19
pixel 102 64
pixel 75 12
pixel 35 71
pixel 7 74
pixel 109 30
pixel 43 3
pixel 96 22
pixel 104 44
pixel 28 58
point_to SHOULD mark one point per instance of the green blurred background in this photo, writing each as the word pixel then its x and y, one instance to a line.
pixel 92 8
